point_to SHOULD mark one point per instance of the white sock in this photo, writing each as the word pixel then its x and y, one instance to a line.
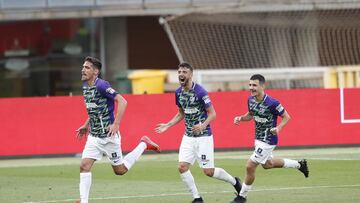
pixel 189 181
pixel 84 186
pixel 134 155
pixel 245 190
pixel 221 174
pixel 289 163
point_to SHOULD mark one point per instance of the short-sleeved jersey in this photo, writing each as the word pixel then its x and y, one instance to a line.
pixel 99 101
pixel 265 114
pixel 194 103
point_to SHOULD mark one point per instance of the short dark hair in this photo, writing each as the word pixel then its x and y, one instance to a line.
pixel 96 63
pixel 258 77
pixel 186 65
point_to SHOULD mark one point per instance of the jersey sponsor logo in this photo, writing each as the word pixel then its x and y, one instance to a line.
pixel 279 108
pixel 260 120
pixel 206 99
pixel 190 110
pixel 110 90
pixel 91 105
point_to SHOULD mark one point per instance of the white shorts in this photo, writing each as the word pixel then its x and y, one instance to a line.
pixel 197 148
pixel 262 152
pixel 96 147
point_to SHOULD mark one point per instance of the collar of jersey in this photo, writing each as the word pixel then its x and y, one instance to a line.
pixel 261 100
pixel 193 86
pixel 87 85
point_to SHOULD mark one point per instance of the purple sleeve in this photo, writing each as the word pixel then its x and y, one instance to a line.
pixel 277 108
pixel 106 90
pixel 248 104
pixel 204 98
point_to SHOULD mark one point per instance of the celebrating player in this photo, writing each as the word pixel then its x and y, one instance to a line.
pixel 197 143
pixel 104 136
pixel 264 110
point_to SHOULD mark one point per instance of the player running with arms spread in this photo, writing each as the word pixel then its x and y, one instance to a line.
pixel 194 105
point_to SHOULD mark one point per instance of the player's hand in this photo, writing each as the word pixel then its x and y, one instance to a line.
pixel 161 127
pixel 113 129
pixel 197 129
pixel 237 120
pixel 80 132
pixel 274 131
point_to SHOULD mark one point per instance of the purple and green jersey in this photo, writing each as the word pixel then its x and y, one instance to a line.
pixel 99 101
pixel 194 103
pixel 265 114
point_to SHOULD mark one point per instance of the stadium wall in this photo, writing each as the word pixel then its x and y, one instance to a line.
pixel 46 125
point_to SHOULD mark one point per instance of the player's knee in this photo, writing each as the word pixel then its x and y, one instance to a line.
pixel 120 170
pixel 183 168
pixel 266 166
pixel 250 168
pixel 120 173
pixel 209 172
pixel 84 168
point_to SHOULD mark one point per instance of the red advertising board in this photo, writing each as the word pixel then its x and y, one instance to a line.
pixel 46 125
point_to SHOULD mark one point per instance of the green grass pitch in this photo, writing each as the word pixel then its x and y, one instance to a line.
pixel 334 177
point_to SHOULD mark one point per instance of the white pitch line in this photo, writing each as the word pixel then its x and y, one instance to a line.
pixel 186 193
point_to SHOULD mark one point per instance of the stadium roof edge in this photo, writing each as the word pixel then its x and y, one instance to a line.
pixel 54 9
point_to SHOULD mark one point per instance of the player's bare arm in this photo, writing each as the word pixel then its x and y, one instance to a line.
pixel 82 130
pixel 198 128
pixel 121 106
pixel 246 117
pixel 162 127
pixel 284 120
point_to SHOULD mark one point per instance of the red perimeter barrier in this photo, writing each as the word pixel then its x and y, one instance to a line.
pixel 46 125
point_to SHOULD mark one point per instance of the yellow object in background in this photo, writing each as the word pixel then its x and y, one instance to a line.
pixel 342 77
pixel 147 81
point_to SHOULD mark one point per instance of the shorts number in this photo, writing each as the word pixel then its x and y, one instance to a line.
pixel 113 155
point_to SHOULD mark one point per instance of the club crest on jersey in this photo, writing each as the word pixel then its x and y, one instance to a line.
pixel 261 111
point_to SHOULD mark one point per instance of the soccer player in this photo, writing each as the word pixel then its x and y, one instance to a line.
pixel 195 106
pixel 264 110
pixel 104 136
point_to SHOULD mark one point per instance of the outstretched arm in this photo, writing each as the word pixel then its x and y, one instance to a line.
pixel 162 127
pixel 246 117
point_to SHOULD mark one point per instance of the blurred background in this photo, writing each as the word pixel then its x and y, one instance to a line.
pixel 297 44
